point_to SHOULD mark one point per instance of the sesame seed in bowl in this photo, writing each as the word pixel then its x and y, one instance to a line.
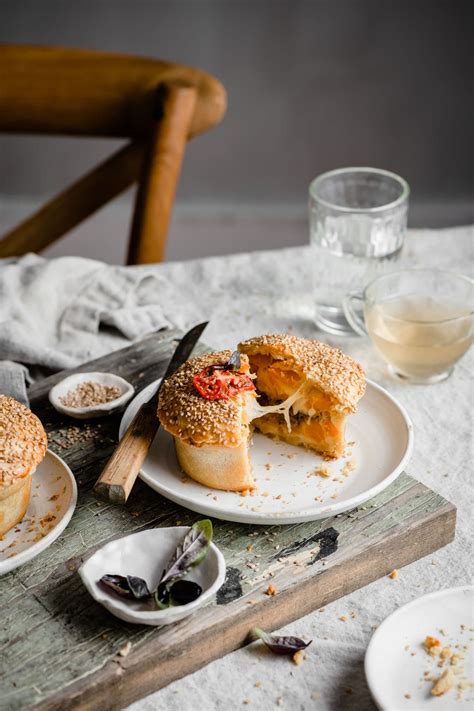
pixel 87 395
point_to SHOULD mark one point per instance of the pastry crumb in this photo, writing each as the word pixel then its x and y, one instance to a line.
pixel 343 618
pixel 271 591
pixel 279 701
pixel 446 653
pixel 348 467
pixel 393 575
pixel 258 684
pixel 408 696
pixel 321 471
pixel 443 684
pixel 125 650
pixel 298 657
pixel 432 645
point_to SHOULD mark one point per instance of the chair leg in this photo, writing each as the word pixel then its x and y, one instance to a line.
pixel 76 203
pixel 160 174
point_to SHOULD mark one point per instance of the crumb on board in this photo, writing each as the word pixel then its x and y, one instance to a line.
pixel 271 591
pixel 393 575
pixel 125 650
pixel 343 618
pixel 258 684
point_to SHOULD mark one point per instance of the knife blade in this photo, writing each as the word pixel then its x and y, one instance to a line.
pixel 119 474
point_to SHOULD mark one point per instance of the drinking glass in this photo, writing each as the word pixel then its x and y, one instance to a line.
pixel 357 228
pixel 420 320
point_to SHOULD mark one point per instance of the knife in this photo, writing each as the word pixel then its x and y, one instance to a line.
pixel 119 475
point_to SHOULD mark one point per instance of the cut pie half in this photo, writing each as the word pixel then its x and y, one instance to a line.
pixel 323 383
pixel 291 388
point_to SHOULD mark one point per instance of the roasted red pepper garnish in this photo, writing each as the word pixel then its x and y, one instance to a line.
pixel 215 383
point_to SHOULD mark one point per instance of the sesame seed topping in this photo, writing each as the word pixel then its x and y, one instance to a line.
pixel 23 441
pixel 328 368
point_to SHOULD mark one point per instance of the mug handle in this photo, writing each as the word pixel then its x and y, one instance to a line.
pixel 355 321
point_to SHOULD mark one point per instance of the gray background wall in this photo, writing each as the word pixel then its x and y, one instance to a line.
pixel 311 86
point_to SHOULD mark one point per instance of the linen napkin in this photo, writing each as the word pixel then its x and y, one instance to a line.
pixel 58 313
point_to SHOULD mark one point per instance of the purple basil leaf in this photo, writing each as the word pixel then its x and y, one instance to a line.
pixel 138 587
pixel 117 583
pixel 191 551
pixel 162 596
pixel 180 592
pixel 128 586
pixel 280 645
pixel 234 362
pixel 184 591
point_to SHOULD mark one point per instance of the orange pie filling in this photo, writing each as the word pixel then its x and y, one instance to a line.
pixel 315 420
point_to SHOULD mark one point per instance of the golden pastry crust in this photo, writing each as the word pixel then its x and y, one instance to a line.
pixel 23 441
pixel 186 414
pixel 328 368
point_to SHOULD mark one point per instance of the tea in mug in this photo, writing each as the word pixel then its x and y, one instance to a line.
pixel 420 336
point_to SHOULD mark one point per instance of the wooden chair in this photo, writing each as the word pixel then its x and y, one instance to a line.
pixel 158 105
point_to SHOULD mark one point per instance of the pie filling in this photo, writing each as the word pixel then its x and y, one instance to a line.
pixel 293 410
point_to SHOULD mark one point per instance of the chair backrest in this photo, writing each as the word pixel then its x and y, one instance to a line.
pixel 159 105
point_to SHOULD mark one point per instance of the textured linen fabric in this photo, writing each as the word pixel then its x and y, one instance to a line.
pixel 58 313
pixel 249 294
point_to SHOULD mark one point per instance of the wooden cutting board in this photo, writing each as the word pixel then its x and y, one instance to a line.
pixel 60 649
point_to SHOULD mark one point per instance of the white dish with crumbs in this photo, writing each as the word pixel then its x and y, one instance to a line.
pixel 401 673
pixel 291 486
pixel 52 503
pixel 105 381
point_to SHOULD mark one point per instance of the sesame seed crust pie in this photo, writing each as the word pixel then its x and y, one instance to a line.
pixel 211 436
pixel 329 385
pixel 23 445
pixel 291 388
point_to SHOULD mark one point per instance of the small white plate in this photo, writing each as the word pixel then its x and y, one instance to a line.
pixel 81 413
pixel 395 661
pixel 287 488
pixel 145 555
pixel 52 503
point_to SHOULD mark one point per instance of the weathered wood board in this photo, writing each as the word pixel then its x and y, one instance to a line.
pixel 59 649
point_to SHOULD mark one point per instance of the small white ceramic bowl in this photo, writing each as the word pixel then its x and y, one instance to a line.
pixel 62 388
pixel 145 555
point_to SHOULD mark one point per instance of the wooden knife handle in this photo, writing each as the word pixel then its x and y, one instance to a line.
pixel 119 475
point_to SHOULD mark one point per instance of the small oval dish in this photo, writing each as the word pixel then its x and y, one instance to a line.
pixel 69 384
pixel 145 555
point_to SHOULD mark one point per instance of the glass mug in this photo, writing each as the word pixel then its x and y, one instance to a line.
pixel 358 222
pixel 421 321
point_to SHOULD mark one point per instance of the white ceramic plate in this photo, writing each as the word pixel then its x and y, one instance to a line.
pixel 395 661
pixel 52 503
pixel 62 388
pixel 288 491
pixel 145 555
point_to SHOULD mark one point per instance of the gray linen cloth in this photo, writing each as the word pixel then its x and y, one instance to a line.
pixel 58 313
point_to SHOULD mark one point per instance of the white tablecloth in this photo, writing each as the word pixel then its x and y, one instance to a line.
pixel 270 291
